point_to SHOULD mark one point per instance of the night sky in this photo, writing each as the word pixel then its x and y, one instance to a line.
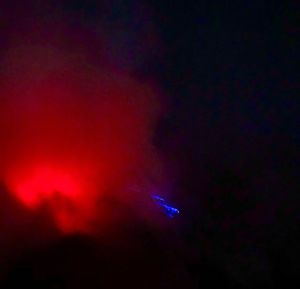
pixel 149 144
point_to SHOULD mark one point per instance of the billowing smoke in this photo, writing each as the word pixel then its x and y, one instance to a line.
pixel 76 130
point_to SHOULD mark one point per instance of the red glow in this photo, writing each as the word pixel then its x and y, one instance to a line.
pixel 63 193
pixel 74 136
pixel 44 184
pixel 72 129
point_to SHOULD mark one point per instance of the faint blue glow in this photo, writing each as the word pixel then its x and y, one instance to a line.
pixel 170 211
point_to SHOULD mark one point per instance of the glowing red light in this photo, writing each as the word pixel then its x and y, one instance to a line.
pixel 60 190
pixel 72 135
pixel 43 184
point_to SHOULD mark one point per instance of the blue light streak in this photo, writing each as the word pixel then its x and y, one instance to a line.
pixel 169 210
